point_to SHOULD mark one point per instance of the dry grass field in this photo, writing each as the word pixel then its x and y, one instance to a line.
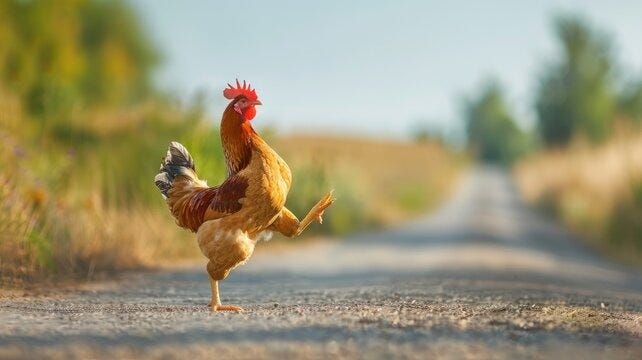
pixel 390 180
pixel 597 191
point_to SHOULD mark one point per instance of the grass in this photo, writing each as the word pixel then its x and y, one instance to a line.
pixel 597 191
pixel 62 214
pixel 77 197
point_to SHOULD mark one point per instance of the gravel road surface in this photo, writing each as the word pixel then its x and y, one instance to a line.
pixel 482 277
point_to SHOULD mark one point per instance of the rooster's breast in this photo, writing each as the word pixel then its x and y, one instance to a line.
pixel 269 180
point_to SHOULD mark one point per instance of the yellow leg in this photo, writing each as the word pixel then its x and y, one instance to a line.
pixel 216 300
pixel 316 213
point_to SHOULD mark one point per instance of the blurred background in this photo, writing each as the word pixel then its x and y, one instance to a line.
pixel 388 103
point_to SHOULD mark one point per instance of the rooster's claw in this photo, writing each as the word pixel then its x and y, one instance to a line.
pixel 323 204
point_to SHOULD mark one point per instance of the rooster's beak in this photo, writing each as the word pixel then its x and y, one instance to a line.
pixel 257 102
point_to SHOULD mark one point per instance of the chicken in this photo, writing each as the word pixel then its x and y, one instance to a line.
pixel 228 219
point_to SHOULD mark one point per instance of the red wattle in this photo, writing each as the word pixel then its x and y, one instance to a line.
pixel 249 113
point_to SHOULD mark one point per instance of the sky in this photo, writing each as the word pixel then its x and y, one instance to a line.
pixel 372 68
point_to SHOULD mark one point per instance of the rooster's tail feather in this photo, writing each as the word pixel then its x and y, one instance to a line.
pixel 177 162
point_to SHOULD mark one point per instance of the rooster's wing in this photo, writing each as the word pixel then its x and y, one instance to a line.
pixel 227 198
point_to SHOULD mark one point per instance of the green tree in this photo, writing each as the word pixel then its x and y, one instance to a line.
pixel 63 53
pixel 491 130
pixel 576 92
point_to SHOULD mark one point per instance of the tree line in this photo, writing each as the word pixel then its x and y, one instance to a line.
pixel 581 93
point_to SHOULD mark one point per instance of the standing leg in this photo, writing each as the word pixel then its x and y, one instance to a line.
pixel 226 247
pixel 216 300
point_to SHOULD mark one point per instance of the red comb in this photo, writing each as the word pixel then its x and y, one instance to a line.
pixel 232 92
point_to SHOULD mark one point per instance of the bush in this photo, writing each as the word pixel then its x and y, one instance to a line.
pixel 347 214
pixel 625 226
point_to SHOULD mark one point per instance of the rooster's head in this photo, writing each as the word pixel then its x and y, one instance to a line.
pixel 244 99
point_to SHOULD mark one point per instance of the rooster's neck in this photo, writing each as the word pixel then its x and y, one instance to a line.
pixel 236 137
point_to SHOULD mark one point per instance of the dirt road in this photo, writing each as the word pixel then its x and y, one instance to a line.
pixel 483 277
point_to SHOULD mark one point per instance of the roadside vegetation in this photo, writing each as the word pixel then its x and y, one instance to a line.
pixel 596 190
pixel 83 129
pixel 582 159
pixel 589 173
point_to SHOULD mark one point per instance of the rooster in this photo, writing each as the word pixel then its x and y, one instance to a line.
pixel 228 219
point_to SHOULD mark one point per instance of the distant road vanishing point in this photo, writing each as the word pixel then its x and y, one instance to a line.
pixel 482 277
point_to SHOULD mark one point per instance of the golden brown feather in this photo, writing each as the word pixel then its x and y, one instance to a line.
pixel 229 218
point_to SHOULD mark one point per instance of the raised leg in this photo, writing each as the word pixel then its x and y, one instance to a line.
pixel 216 300
pixel 316 213
pixel 288 224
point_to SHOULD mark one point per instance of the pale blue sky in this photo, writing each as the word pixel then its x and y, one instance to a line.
pixel 372 67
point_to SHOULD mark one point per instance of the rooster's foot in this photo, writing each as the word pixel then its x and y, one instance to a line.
pixel 220 307
pixel 319 208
